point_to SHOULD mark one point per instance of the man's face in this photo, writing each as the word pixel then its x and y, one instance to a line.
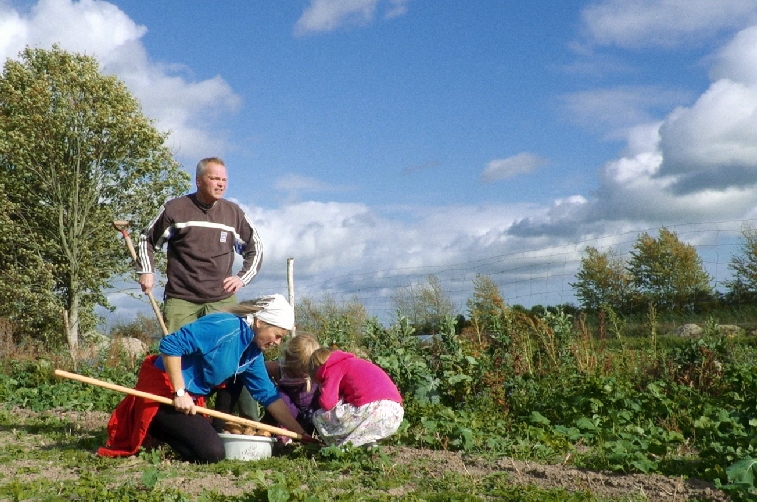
pixel 212 184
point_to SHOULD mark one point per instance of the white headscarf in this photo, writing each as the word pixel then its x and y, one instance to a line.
pixel 276 311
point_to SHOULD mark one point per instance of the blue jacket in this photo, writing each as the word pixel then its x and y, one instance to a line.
pixel 215 348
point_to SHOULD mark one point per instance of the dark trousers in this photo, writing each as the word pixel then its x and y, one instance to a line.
pixel 193 437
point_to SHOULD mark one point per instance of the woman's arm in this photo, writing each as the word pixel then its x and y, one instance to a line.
pixel 273 369
pixel 279 410
pixel 184 403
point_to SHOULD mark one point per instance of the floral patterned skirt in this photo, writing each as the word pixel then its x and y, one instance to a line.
pixel 369 423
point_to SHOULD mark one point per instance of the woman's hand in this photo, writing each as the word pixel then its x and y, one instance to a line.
pixel 185 404
pixel 280 411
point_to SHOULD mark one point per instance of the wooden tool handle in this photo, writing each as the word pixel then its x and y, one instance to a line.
pixel 122 226
pixel 158 314
pixel 160 399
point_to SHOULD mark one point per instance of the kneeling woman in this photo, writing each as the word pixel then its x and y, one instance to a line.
pixel 194 361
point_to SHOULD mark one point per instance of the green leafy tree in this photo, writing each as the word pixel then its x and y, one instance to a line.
pixel 425 305
pixel 76 153
pixel 23 294
pixel 668 272
pixel 333 323
pixel 743 286
pixel 486 306
pixel 602 280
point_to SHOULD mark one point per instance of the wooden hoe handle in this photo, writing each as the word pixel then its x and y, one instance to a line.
pixel 205 411
pixel 121 226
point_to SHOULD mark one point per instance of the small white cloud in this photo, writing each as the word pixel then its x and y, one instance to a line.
pixel 294 185
pixel 665 23
pixel 396 8
pixel 619 108
pixel 500 169
pixel 328 15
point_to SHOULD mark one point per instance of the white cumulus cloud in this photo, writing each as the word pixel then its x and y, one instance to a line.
pixel 353 237
pixel 102 30
pixel 713 144
pixel 89 26
pixel 737 61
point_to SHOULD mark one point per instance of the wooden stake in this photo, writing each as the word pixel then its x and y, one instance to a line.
pixel 290 283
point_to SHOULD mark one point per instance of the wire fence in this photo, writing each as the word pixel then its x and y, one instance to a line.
pixel 526 276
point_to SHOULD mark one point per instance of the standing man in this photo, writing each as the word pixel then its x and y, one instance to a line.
pixel 202 231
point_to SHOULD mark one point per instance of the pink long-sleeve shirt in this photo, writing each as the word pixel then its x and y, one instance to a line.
pixel 353 380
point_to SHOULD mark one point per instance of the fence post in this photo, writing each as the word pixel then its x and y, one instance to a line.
pixel 290 284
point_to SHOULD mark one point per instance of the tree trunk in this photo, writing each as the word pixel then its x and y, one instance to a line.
pixel 72 322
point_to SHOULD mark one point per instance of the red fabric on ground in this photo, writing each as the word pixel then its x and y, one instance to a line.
pixel 130 420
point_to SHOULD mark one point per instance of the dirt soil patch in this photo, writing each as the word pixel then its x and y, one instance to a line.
pixel 650 487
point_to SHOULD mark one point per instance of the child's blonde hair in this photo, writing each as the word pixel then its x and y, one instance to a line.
pixel 295 358
pixel 318 359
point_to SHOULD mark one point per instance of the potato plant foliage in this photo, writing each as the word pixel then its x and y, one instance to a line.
pixel 548 388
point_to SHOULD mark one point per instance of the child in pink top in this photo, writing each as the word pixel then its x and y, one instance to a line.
pixel 359 402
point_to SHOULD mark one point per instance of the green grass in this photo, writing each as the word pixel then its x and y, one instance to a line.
pixel 52 459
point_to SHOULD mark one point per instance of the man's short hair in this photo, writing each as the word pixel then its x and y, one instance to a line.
pixel 204 163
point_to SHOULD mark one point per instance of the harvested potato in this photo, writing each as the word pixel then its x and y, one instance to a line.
pixel 234 428
pixel 247 430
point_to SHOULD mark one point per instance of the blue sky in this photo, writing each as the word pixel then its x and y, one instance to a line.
pixel 383 140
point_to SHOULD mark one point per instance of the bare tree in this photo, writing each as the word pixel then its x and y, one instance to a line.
pixel 743 286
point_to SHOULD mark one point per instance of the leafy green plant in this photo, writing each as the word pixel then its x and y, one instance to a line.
pixel 446 429
pixel 32 384
pixel 741 477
